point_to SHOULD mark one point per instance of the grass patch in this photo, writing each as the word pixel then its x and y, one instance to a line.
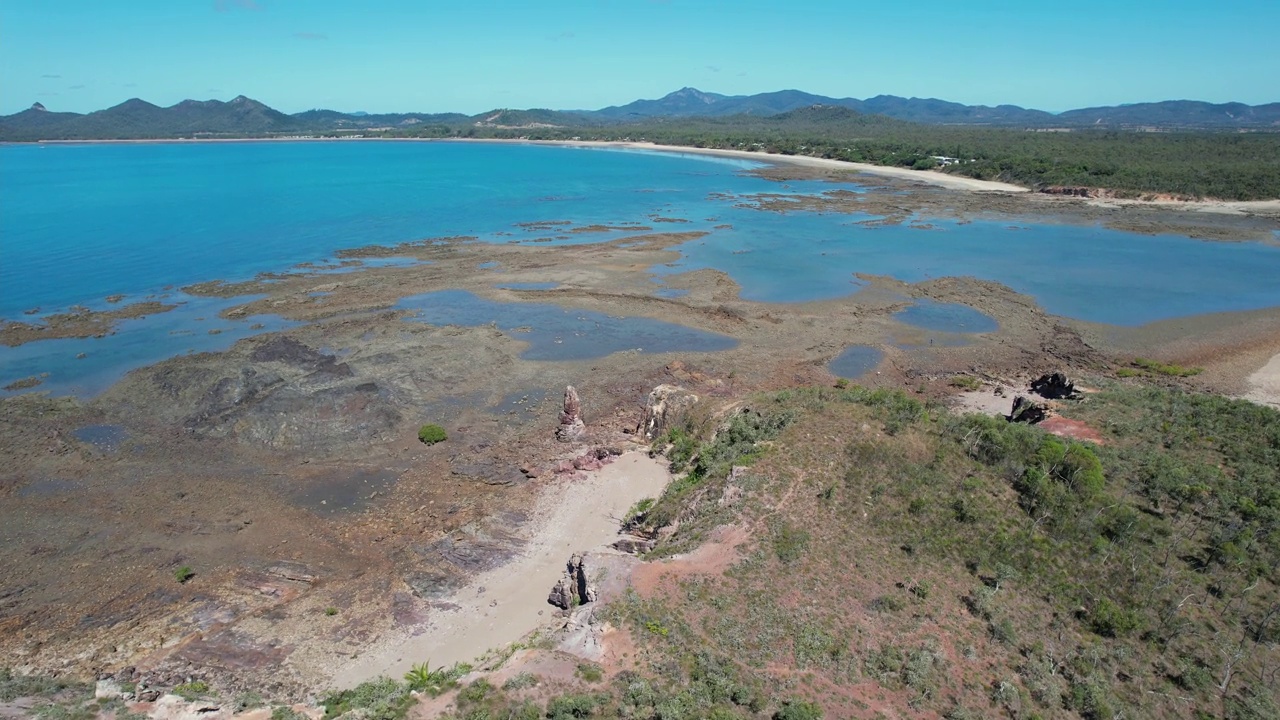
pixel 1144 367
pixel 193 690
pixel 430 434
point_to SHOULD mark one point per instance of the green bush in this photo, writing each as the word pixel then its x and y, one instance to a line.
pixel 434 682
pixel 789 543
pixel 568 707
pixel 430 434
pixel 183 574
pixel 192 690
pixel 798 710
pixel 1111 620
pixel 380 699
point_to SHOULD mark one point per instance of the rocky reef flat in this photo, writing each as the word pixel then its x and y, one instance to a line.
pixel 267 518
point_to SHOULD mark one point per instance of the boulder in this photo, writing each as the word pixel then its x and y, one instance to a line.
pixel 107 689
pixel 1026 411
pixel 632 544
pixel 665 407
pixel 1054 386
pixel 573 588
pixel 571 425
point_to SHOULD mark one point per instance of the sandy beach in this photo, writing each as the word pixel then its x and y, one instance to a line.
pixel 501 606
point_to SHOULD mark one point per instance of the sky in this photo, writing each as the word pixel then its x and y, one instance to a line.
pixel 475 55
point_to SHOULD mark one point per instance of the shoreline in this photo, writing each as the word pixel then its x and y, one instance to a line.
pixel 934 178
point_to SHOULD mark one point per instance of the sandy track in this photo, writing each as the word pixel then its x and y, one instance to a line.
pixel 503 605
pixel 1264 384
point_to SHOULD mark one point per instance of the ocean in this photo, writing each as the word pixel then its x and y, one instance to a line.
pixel 79 223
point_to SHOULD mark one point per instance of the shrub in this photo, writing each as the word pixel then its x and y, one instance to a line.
pixel 183 574
pixel 192 690
pixel 1111 620
pixel 15 686
pixel 380 699
pixel 789 543
pixel 430 434
pixel 433 682
pixel 798 710
pixel 567 707
pixel 521 681
pixel 476 692
pixel 589 672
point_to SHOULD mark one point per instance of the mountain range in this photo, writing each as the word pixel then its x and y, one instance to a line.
pixel 243 116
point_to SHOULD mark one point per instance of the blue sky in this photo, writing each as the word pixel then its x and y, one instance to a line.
pixel 474 55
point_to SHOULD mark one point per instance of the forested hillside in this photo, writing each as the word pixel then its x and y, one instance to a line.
pixel 1233 166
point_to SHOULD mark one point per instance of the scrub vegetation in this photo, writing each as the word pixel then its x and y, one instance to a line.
pixel 1190 164
pixel 906 557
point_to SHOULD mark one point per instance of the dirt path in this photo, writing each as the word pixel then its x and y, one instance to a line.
pixel 1264 385
pixel 503 605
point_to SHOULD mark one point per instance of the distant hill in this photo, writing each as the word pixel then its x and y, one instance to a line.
pixel 245 117
pixel 1175 113
pixel 536 117
pixel 691 102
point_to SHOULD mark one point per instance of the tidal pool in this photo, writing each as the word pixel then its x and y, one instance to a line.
pixel 556 333
pixel 946 317
pixel 106 438
pixel 856 361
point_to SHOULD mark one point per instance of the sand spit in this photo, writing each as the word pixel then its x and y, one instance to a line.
pixel 503 605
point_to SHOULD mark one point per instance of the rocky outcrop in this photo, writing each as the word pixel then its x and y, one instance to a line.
pixel 571 425
pixel 573 588
pixel 665 407
pixel 1026 411
pixel 1054 386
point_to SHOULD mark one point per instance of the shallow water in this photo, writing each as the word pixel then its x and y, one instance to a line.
pixel 192 327
pixel 856 361
pixel 106 438
pixel 556 333
pixel 945 317
pixel 1084 272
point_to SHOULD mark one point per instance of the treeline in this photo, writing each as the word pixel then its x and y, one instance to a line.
pixel 1229 166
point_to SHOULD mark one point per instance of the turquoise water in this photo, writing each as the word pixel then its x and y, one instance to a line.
pixel 81 222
